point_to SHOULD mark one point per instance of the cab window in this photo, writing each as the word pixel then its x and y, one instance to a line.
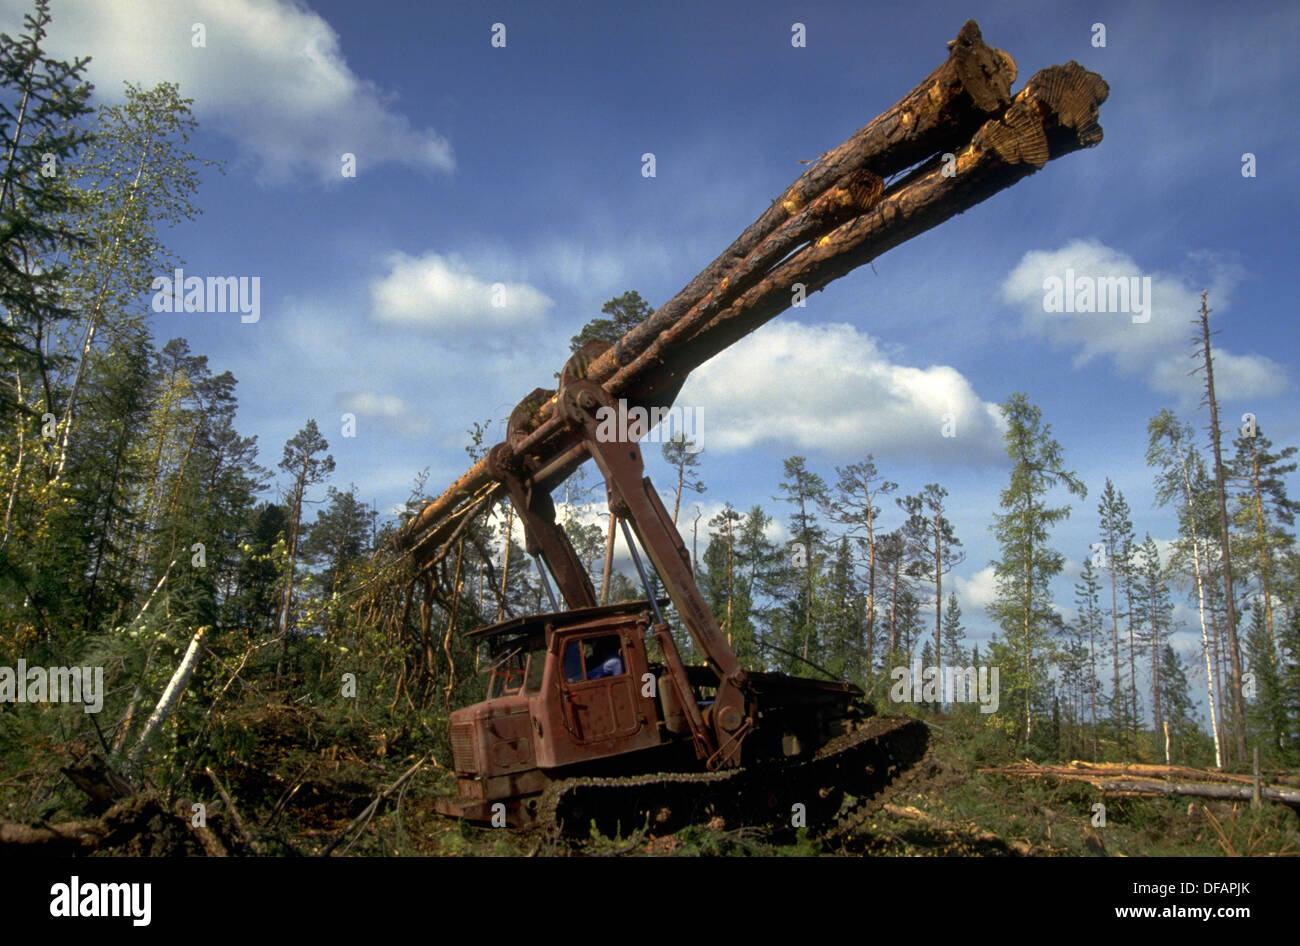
pixel 508 674
pixel 536 668
pixel 592 658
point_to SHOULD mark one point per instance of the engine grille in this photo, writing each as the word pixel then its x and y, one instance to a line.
pixel 462 747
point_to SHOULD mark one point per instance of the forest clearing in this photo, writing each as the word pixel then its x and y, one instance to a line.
pixel 864 610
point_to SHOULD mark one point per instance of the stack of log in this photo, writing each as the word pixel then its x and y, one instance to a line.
pixel 956 139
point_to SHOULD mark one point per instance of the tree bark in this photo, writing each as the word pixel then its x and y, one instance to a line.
pixel 1225 555
pixel 801 239
pixel 171 695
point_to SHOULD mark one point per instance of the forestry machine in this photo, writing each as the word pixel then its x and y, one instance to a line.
pixel 591 713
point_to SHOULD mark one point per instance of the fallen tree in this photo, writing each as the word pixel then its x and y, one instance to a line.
pixel 1115 780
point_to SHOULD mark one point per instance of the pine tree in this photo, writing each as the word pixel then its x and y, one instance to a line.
pixel 306 468
pixel 259 580
pixel 933 545
pixel 1266 708
pixel 1289 680
pixel 42 104
pixel 928 659
pixel 891 557
pixel 759 562
pixel 1075 677
pixel 804 490
pixel 682 456
pixel 844 616
pixel 625 313
pixel 339 541
pixel 724 582
pixel 857 492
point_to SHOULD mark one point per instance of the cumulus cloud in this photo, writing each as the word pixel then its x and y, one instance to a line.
pixel 389 409
pixel 441 292
pixel 1148 336
pixel 270 74
pixel 979 590
pixel 831 387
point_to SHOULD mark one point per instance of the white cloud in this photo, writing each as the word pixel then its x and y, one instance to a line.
pixel 979 590
pixel 271 75
pixel 831 387
pixel 1157 349
pixel 387 408
pixel 441 292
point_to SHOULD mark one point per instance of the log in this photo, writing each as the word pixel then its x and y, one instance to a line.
pixel 973 83
pixel 936 116
pixel 1136 785
pixel 70 837
pixel 1149 770
pixel 117 826
pixel 1287 796
pixel 840 209
pixel 1002 152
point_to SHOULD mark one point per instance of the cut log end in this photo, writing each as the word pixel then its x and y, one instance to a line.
pixel 1069 97
pixel 985 73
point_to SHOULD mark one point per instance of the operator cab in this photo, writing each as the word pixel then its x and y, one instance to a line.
pixel 564 689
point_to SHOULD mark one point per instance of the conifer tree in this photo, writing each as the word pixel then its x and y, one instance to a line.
pixel 804 490
pixel 1023 606
pixel 306 468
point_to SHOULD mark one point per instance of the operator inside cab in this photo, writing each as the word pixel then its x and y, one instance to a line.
pixel 601 657
pixel 606 661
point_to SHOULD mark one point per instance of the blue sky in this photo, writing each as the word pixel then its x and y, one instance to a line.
pixel 522 165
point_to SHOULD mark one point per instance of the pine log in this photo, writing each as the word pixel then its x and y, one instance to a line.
pixel 1147 770
pixel 1136 785
pixel 936 116
pixel 1055 114
pixel 1287 796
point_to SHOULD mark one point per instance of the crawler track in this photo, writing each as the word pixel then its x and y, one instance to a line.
pixel 861 763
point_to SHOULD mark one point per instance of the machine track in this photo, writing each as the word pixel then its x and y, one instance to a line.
pixel 861 763
pixel 851 818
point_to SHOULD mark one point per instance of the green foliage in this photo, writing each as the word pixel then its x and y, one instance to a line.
pixel 42 104
pixel 1023 607
pixel 624 313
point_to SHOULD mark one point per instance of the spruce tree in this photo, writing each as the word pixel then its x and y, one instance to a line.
pixel 1023 607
